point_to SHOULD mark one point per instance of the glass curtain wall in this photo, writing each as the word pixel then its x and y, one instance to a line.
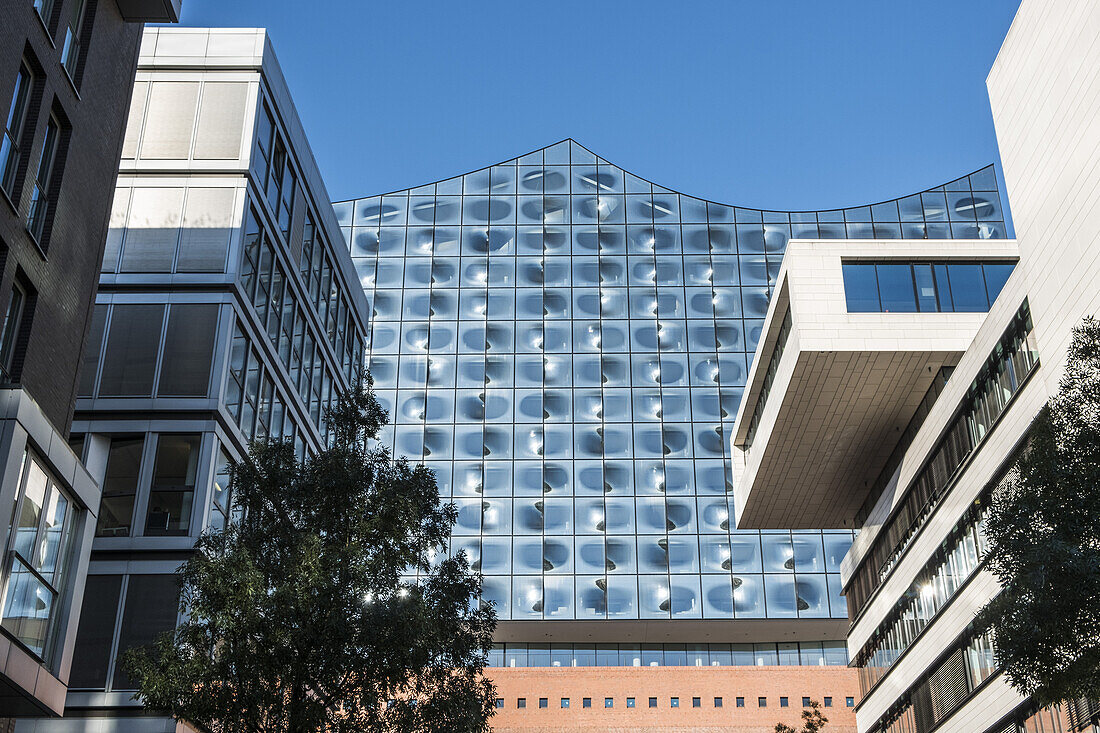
pixel 566 345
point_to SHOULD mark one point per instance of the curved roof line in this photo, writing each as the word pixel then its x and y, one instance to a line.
pixel 666 188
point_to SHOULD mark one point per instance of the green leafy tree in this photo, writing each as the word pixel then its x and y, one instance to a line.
pixel 297 620
pixel 1044 542
pixel 812 720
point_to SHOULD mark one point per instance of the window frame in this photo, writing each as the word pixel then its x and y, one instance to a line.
pixel 12 326
pixel 73 52
pixel 15 131
pixel 50 161
pixel 62 562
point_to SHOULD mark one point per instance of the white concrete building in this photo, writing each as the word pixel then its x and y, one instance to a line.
pixel 854 423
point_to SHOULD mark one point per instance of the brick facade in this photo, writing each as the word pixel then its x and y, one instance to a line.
pixel 664 683
pixel 65 269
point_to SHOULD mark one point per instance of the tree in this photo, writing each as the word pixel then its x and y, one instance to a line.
pixel 812 720
pixel 1044 542
pixel 297 618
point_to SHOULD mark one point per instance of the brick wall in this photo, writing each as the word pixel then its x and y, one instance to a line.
pixel 66 273
pixel 664 683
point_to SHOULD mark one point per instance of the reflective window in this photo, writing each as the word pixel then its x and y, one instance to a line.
pixel 120 485
pixel 173 486
pixel 39 547
pixel 928 287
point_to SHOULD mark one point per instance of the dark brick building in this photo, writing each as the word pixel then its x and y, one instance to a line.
pixel 66 78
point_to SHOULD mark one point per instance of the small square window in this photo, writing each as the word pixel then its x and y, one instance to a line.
pixel 609 702
pixel 586 702
pixel 565 702
pixel 652 702
pixel 828 702
pixel 850 702
pixel 500 703
pixel 717 702
pixel 696 702
pixel 805 702
pixel 783 702
pixel 521 703
pixel 761 702
pixel 543 702
pixel 740 702
pixel 630 702
pixel 674 702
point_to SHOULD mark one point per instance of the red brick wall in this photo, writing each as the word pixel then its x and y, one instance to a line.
pixel 641 683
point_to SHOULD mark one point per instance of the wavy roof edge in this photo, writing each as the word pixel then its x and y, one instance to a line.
pixel 600 160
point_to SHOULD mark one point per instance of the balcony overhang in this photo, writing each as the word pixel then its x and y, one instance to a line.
pixel 816 427
pixel 150 11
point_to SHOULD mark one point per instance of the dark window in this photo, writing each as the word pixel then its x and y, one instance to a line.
pixel 943 288
pixel 43 175
pixel 565 702
pixel 828 702
pixel 652 702
pixel 188 350
pixel 500 703
pixel 220 496
pixel 521 702
pixel 543 702
pixel 968 288
pixel 996 275
pixel 44 8
pixel 120 482
pixel 850 702
pixel 90 360
pixel 696 702
pixel 12 144
pixel 72 52
pixel 152 602
pixel 586 702
pixel 761 702
pixel 173 486
pixel 805 702
pixel 76 444
pixel 784 702
pixel 926 288
pixel 860 287
pixel 674 702
pixel 132 345
pixel 9 336
pixel 895 288
pixel 609 702
pixel 629 702
pixel 92 652
pixel 740 702
pixel 717 702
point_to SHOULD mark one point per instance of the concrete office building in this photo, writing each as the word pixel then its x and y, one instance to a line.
pixel 66 76
pixel 908 414
pixel 567 344
pixel 224 313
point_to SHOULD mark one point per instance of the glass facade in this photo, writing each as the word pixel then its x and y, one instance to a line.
pixel 806 653
pixel 566 345
pixel 925 287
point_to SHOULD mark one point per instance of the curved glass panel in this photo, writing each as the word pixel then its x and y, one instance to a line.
pixel 570 342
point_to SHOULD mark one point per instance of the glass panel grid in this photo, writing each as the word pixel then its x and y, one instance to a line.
pixel 566 344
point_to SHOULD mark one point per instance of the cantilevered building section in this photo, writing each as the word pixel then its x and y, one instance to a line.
pixel 567 345
pixel 924 408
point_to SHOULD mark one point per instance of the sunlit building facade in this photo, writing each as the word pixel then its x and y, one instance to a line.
pixel 566 345
pixel 957 391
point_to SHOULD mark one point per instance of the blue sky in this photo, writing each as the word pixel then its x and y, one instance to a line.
pixel 789 104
